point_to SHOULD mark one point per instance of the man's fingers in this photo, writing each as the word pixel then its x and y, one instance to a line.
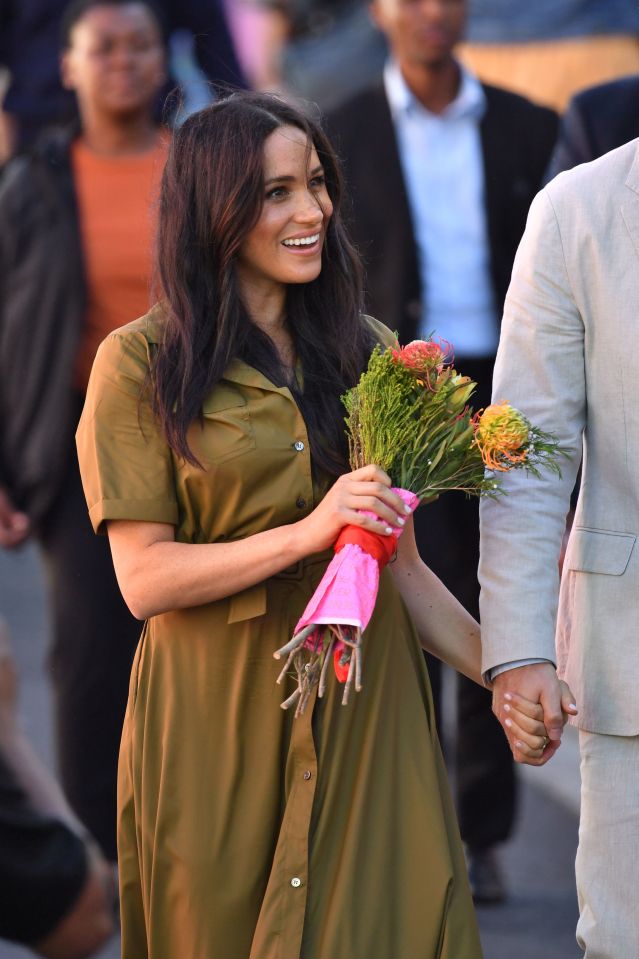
pixel 553 716
pixel 522 754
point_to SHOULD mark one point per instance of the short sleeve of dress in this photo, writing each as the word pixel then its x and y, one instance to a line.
pixel 125 461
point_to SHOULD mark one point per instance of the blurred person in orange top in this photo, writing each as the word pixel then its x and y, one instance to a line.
pixel 76 234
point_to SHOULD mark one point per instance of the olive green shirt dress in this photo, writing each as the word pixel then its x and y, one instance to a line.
pixel 245 833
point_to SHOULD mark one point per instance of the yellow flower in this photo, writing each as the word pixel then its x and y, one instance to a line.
pixel 502 435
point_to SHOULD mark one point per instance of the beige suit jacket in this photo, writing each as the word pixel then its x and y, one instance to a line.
pixel 569 358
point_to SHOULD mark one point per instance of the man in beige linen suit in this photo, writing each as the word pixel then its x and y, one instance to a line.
pixel 569 359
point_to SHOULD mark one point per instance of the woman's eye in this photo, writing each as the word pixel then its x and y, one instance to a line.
pixel 318 182
pixel 277 193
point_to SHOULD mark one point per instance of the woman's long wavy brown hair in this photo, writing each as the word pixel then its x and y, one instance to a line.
pixel 211 198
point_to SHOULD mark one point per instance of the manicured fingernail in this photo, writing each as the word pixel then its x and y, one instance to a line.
pixel 508 696
pixel 388 530
pixel 519 744
pixel 407 508
pixel 572 705
pixel 400 520
pixel 506 708
pixel 508 722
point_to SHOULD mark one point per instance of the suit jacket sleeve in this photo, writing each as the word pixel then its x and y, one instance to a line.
pixel 540 370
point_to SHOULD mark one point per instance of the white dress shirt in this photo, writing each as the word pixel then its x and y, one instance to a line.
pixel 443 170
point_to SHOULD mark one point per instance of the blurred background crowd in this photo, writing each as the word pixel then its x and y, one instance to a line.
pixel 448 116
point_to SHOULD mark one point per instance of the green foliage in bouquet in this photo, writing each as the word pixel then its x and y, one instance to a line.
pixel 409 414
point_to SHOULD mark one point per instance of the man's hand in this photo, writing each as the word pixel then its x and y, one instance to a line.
pixel 14 525
pixel 538 683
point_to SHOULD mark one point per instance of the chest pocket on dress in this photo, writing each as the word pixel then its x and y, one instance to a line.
pixel 226 429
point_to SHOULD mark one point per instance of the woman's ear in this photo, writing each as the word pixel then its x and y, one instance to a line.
pixel 66 70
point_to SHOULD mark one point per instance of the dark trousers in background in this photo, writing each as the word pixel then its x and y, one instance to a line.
pixel 447 533
pixel 94 640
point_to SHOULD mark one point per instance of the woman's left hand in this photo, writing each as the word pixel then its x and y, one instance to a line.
pixel 526 728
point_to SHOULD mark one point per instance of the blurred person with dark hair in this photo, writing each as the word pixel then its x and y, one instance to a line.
pixel 29 49
pixel 550 49
pixel 596 121
pixel 441 171
pixel 58 892
pixel 76 229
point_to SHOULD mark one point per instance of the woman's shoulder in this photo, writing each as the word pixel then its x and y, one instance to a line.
pixel 128 350
pixel 382 334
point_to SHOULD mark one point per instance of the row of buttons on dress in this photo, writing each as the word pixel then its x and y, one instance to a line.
pixel 296 882
pixel 300 502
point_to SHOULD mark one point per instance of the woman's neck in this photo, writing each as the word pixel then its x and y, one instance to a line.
pixel 267 309
pixel 110 138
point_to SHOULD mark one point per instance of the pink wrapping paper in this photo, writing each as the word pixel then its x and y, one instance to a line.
pixel 347 592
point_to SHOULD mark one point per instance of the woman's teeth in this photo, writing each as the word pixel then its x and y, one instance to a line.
pixel 302 241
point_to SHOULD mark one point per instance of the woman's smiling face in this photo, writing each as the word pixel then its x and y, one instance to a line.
pixel 285 245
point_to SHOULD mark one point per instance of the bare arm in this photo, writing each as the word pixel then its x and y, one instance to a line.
pixel 444 627
pixel 451 634
pixel 157 574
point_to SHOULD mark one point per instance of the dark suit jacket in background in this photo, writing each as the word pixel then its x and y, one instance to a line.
pixel 517 138
pixel 597 120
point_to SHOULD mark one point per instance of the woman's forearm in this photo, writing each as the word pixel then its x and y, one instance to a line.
pixel 158 575
pixel 444 627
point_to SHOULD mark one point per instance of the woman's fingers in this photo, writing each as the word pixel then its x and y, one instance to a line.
pixel 567 700
pixel 533 727
pixel 529 745
pixel 526 706
pixel 372 493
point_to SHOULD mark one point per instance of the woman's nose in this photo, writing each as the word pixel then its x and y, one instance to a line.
pixel 309 209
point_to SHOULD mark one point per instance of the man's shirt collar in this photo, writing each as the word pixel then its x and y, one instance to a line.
pixel 470 100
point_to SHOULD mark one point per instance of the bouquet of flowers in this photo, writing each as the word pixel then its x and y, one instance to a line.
pixel 408 414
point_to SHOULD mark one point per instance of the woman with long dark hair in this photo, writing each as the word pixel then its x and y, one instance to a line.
pixel 213 453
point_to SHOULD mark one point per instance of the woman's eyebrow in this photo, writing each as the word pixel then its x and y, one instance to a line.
pixel 288 177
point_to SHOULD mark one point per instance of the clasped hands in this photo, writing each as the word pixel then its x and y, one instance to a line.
pixel 532 704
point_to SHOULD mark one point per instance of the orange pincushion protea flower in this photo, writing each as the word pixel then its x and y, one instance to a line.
pixel 424 356
pixel 502 435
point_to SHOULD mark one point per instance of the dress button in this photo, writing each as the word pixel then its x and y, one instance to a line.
pixel 299 446
pixel 295 882
pixel 307 774
pixel 300 502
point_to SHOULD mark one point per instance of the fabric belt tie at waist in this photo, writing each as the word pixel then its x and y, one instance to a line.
pixel 251 602
pixel 248 604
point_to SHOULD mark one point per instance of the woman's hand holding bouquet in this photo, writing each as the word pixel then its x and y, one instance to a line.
pixel 361 498
pixel 409 416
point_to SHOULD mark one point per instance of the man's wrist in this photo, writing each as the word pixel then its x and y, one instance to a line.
pixel 491 674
